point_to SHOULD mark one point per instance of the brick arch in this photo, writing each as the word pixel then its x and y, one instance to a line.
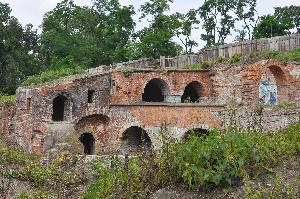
pixel 95 125
pixel 133 139
pixel 252 77
pixel 194 90
pixel 162 86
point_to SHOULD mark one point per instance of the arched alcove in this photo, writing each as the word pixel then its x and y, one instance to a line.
pixel 60 108
pixel 92 131
pixel 155 90
pixel 199 132
pixel 135 139
pixel 266 83
pixel 88 142
pixel 192 92
pixel 272 86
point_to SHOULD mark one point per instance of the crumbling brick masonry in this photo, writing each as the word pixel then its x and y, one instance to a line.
pixel 101 112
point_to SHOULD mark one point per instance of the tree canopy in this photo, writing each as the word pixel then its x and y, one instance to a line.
pixel 77 37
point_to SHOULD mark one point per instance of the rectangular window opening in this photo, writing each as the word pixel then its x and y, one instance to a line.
pixel 28 104
pixel 91 96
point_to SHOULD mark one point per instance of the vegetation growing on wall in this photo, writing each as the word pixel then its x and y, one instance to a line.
pixel 62 68
pixel 219 159
pixel 222 158
pixel 7 98
pixel 284 56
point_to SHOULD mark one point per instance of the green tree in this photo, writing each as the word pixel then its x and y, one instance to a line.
pixel 92 36
pixel 270 26
pixel 186 23
pixel 246 12
pixel 18 51
pixel 156 40
pixel 66 33
pixel 115 26
pixel 219 18
pixel 289 14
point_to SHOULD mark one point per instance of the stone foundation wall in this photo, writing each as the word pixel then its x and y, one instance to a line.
pixel 259 118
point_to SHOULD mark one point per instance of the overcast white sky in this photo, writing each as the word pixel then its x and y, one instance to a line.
pixel 32 11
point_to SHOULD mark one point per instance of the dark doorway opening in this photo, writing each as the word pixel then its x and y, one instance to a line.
pixel 155 91
pixel 195 132
pixel 59 108
pixel 192 93
pixel 88 141
pixel 91 96
pixel 135 139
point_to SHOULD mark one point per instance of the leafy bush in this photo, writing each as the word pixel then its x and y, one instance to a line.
pixel 286 105
pixel 12 156
pixel 221 59
pixel 222 158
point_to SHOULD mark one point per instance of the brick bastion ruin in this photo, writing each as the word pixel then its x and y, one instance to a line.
pixel 122 107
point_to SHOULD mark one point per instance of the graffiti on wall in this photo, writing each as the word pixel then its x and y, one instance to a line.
pixel 268 94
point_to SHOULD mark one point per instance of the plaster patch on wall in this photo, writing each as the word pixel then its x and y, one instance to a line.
pixel 268 92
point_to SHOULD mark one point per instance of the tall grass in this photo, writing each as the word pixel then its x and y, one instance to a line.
pixel 8 99
pixel 283 56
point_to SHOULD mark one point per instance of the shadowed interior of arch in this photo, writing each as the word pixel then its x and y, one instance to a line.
pixel 155 91
pixel 88 141
pixel 199 132
pixel 192 92
pixel 135 139
pixel 59 108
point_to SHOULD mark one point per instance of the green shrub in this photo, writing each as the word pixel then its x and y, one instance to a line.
pixel 119 180
pixel 221 59
pixel 235 58
pixel 222 158
pixel 286 105
pixel 12 156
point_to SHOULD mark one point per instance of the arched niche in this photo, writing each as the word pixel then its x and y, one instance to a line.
pixel 135 139
pixel 155 90
pixel 192 92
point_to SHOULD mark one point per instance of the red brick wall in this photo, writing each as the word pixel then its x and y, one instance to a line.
pixel 108 132
pixel 7 112
pixel 129 89
pixel 252 77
